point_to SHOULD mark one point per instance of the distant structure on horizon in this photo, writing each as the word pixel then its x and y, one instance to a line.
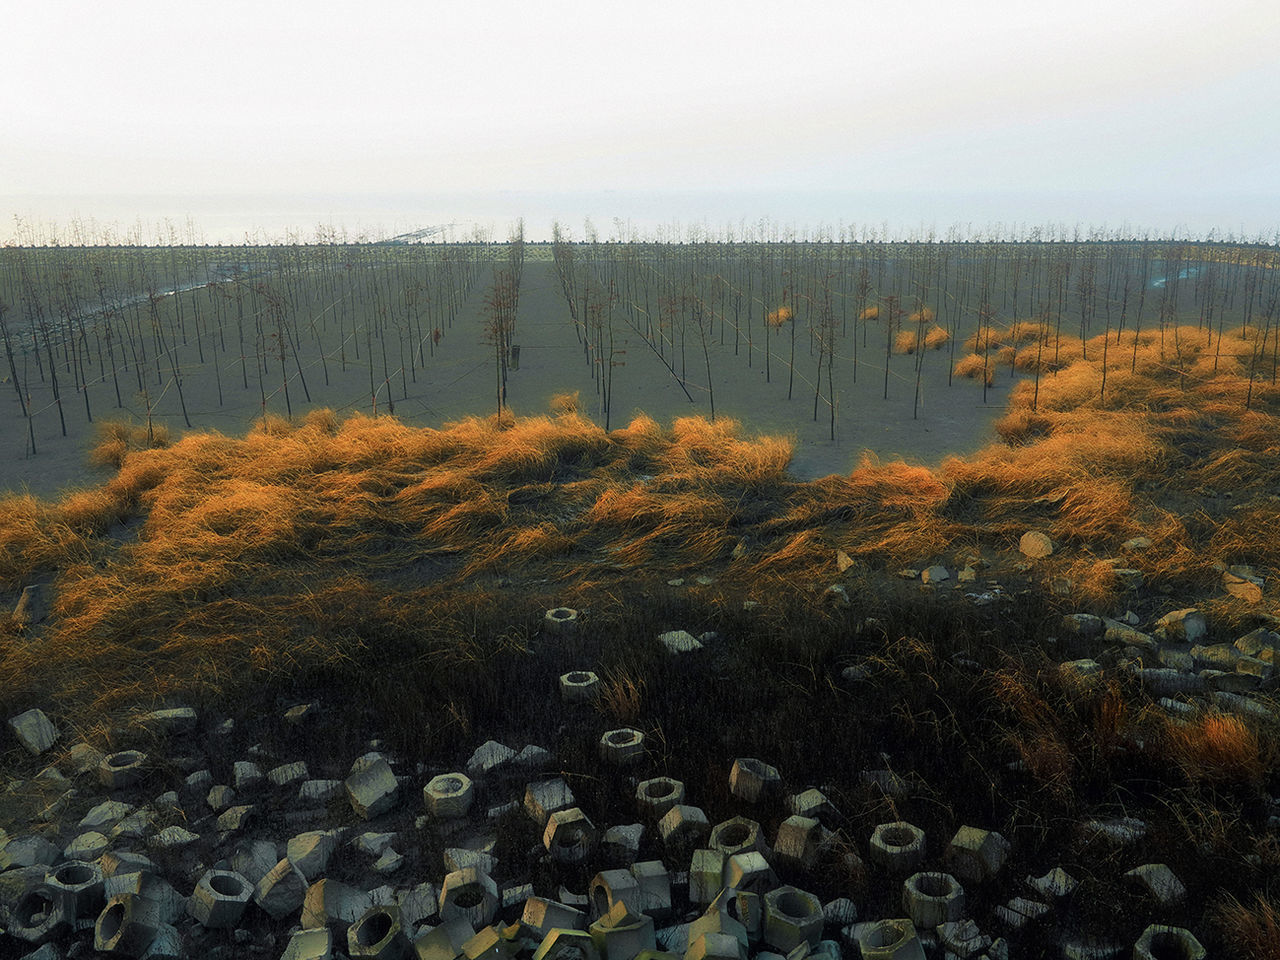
pixel 420 236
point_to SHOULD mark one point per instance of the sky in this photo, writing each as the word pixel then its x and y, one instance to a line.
pixel 916 114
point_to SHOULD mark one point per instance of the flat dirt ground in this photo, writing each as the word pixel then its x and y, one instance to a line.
pixel 459 381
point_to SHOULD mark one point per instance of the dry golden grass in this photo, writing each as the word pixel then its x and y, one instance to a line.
pixel 115 438
pixel 777 318
pixel 1248 929
pixel 565 402
pixel 936 338
pixel 973 366
pixel 263 554
pixel 1216 747
pixel 622 696
pixel 908 341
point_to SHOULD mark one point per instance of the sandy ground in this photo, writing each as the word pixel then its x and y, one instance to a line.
pixel 459 381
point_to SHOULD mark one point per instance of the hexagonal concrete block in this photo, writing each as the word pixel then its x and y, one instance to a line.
pixel 469 894
pixel 621 933
pixel 811 803
pixel 28 851
pixel 545 797
pixel 309 944
pixel 1160 882
pixel 123 769
pixel 173 720
pixel 254 859
pixel 976 855
pixel 560 621
pixel 542 916
pixel 717 919
pixel 128 923
pixel 38 916
pixel 310 852
pixel 445 941
pixel 751 779
pixel 1054 885
pixel 931 898
pixel 739 835
pixel 679 641
pixel 898 847
pixel 79 887
pixel 706 876
pixel 34 731
pixel 684 827
pixel 281 891
pixel 418 904
pixel 579 686
pixel 372 788
pixel 716 946
pixel 488 757
pixel 1161 942
pixel 621 843
pixel 792 917
pixel 378 934
pixel 748 909
pixel 332 904
pixel 622 747
pixel 219 899
pixel 609 887
pixel 655 888
pixel 654 797
pixel 889 940
pixel 963 938
pixel 565 944
pixel 287 774
pixel 245 775
pixel 448 795
pixel 569 836
pixel 89 845
pixel 749 871
pixel 797 841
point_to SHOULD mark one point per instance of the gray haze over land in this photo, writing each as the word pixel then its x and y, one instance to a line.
pixel 615 214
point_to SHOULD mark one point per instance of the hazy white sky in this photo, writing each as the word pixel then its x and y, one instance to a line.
pixel 937 97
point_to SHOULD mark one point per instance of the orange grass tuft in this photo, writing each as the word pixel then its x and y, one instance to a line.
pixel 972 366
pixel 1216 747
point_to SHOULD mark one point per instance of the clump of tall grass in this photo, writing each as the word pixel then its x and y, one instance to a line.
pixel 909 341
pixel 1249 929
pixel 976 367
pixel 115 438
pixel 1216 747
